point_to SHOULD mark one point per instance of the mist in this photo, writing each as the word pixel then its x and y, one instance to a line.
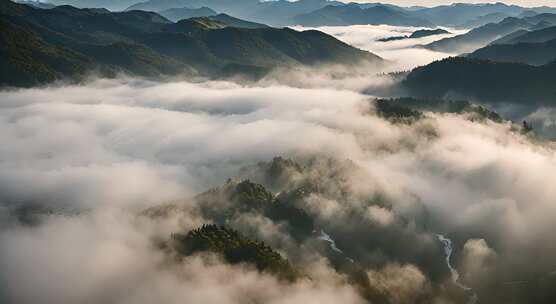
pixel 96 154
pixel 82 162
pixel 403 54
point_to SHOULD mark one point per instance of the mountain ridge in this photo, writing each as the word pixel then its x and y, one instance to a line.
pixel 148 44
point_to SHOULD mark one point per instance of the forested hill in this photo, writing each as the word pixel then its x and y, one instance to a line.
pixel 38 46
pixel 234 248
pixel 484 80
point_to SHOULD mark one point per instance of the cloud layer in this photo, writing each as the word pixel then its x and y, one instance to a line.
pixel 91 153
pixel 404 54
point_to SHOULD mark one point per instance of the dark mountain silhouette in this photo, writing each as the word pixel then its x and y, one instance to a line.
pixel 531 47
pixel 234 248
pixel 408 109
pixel 236 22
pixel 535 36
pixel 530 53
pixel 417 34
pixel 483 80
pixel 508 38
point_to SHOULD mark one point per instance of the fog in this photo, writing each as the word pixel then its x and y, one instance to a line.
pixel 86 158
pixel 405 54
pixel 525 3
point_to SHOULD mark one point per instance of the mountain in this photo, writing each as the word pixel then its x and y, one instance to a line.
pixel 531 47
pixel 113 5
pixel 291 222
pixel 160 5
pixel 408 109
pixel 278 12
pixel 283 12
pixel 426 33
pixel 417 34
pixel 33 53
pixel 262 48
pixel 176 14
pixel 236 22
pixel 37 4
pixel 462 13
pixel 40 45
pixel 26 59
pixel 232 7
pixel 355 14
pixel 531 53
pixel 508 38
pixel 234 248
pixel 486 34
pixel 223 204
pixel 537 36
pixel 483 80
pixel 486 19
pixel 544 9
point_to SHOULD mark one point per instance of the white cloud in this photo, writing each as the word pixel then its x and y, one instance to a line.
pixel 380 215
pixel 114 144
pixel 405 54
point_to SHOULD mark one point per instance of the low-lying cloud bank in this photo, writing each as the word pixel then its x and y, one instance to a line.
pixel 404 54
pixel 92 153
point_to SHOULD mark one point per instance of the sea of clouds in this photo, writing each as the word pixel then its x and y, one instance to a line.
pixel 94 154
pixel 405 54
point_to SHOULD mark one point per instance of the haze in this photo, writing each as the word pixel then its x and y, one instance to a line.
pixel 525 3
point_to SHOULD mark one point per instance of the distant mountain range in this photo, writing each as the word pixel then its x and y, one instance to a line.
pixel 278 12
pixel 230 7
pixel 38 45
pixel 483 20
pixel 327 12
pixel 531 47
pixel 113 5
pixel 356 14
pixel 37 4
pixel 461 13
pixel 313 12
pixel 484 35
pixel 176 14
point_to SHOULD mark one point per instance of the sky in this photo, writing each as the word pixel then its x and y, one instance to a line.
pixel 526 3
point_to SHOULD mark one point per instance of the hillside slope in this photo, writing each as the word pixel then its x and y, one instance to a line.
pixel 70 42
pixel 529 53
pixel 487 81
pixel 484 35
